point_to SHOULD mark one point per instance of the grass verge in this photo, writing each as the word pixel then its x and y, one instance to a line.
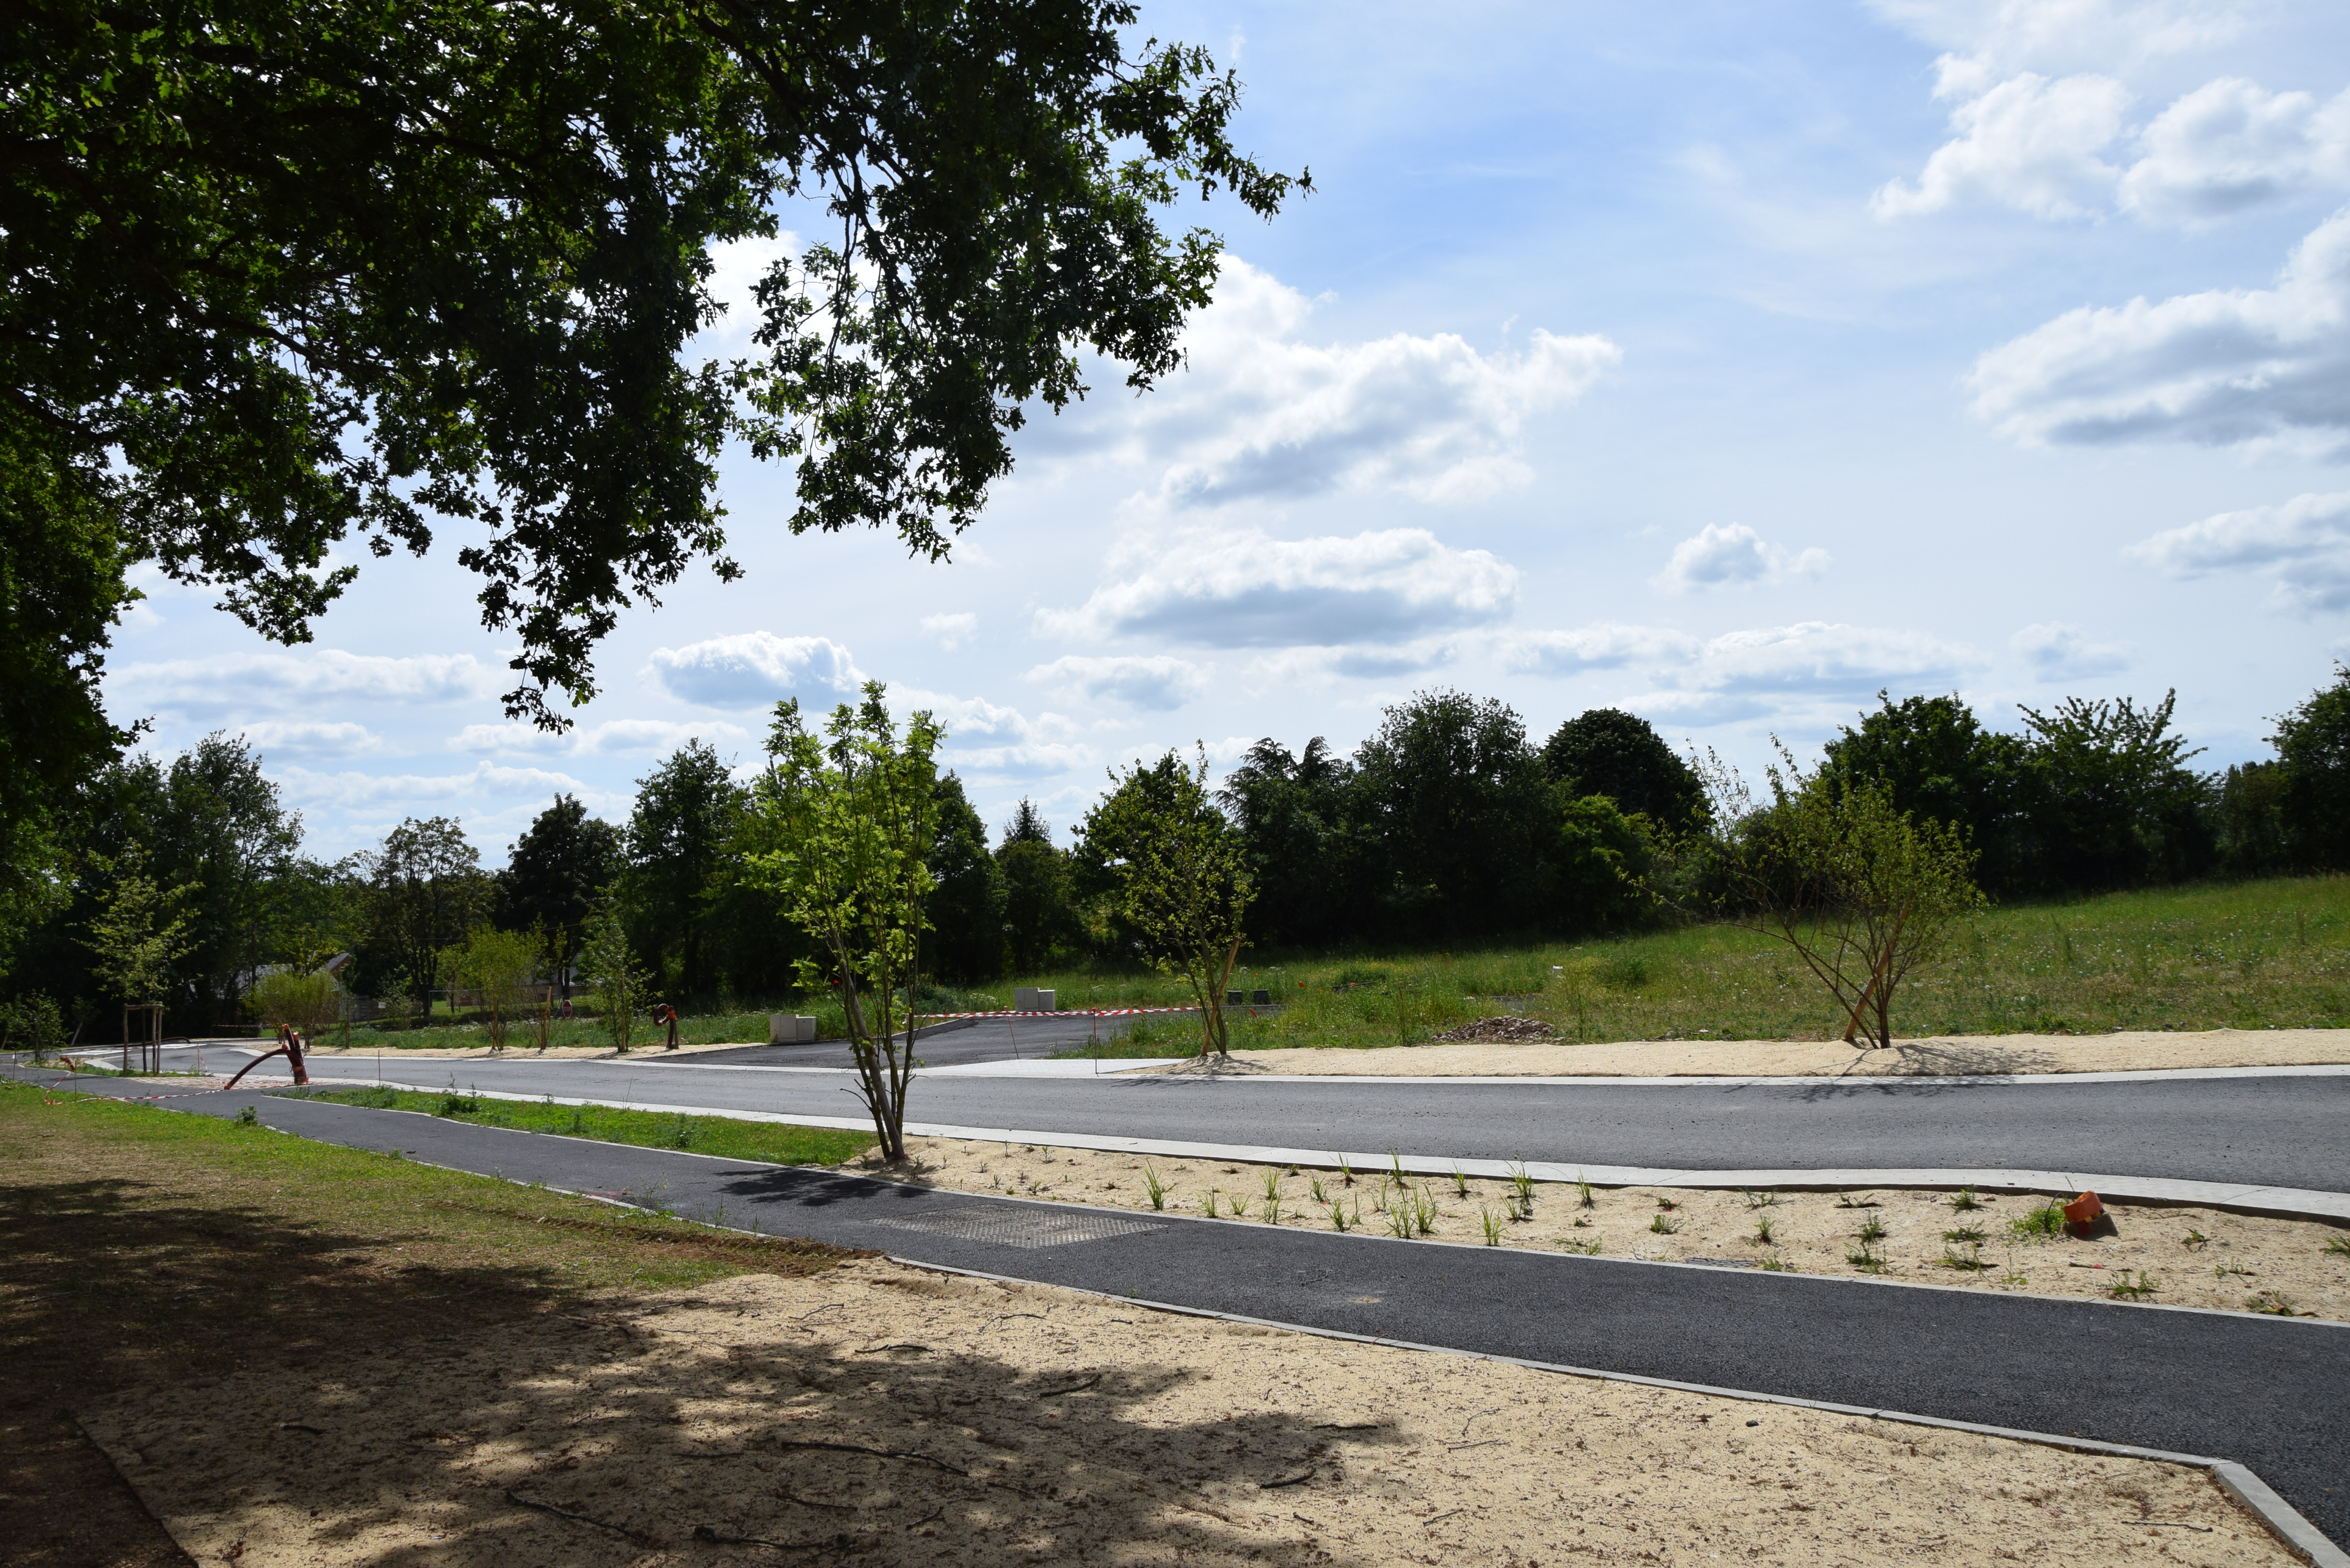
pixel 775 1142
pixel 138 1246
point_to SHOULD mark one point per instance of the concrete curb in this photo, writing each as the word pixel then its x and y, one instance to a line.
pixel 2298 1535
pixel 1137 1065
pixel 2286 1202
pixel 1781 1080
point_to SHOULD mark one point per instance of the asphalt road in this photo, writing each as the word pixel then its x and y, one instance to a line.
pixel 2282 1131
pixel 2269 1393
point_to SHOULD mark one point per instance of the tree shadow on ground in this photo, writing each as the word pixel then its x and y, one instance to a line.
pixel 669 1426
pixel 108 1283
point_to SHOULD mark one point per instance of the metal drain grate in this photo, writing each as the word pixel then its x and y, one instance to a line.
pixel 1022 1226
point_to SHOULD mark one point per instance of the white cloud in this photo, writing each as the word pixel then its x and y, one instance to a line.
pixel 414 792
pixel 1034 760
pixel 507 738
pixel 1729 677
pixel 275 738
pixel 1606 646
pixel 736 268
pixel 312 676
pixel 1825 657
pixel 1716 556
pixel 753 668
pixel 2226 367
pixel 2042 94
pixel 2029 143
pixel 2230 146
pixel 1259 414
pixel 1990 40
pixel 952 631
pixel 1247 589
pixel 2060 651
pixel 1158 682
pixel 646 737
pixel 2304 544
pixel 1369 662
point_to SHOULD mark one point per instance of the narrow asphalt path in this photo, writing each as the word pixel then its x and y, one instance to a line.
pixel 2279 1132
pixel 2272 1394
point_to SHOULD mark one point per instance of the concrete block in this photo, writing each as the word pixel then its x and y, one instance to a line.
pixel 790 1028
pixel 1034 999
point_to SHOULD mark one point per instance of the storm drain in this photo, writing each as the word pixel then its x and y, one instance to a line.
pixel 1022 1226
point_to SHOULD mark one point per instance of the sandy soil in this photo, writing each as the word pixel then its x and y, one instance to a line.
pixel 1956 1054
pixel 516 1050
pixel 2241 1262
pixel 1030 1425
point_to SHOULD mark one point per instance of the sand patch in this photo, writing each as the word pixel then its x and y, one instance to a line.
pixel 518 1052
pixel 1952 1055
pixel 905 1418
pixel 2174 1256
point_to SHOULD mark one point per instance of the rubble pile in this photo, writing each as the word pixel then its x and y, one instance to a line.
pixel 1503 1028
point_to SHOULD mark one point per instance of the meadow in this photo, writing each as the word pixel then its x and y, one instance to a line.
pixel 2250 955
pixel 2247 955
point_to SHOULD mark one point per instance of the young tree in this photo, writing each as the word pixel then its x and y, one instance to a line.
pixel 609 963
pixel 1935 760
pixel 309 999
pixel 853 817
pixel 1861 892
pixel 498 967
pixel 33 1025
pixel 139 933
pixel 1183 886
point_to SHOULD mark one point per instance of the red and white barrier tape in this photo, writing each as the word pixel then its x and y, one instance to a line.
pixel 1058 1012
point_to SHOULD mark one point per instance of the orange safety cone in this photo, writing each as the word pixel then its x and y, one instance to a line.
pixel 2084 1209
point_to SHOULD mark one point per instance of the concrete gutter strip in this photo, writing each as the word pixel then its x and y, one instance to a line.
pixel 2288 1202
pixel 2302 1538
pixel 1124 1067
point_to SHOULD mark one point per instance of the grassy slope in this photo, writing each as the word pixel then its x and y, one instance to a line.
pixel 2248 956
pixel 719 1136
pixel 138 1245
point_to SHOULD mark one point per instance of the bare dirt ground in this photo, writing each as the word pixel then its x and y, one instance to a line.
pixel 2173 1256
pixel 1945 1055
pixel 907 1417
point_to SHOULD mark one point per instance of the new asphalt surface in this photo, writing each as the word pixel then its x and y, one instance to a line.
pixel 2272 1394
pixel 2280 1131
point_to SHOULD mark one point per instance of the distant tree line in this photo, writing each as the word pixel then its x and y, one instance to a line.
pixel 1448 824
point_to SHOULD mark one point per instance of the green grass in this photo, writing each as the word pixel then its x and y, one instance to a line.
pixel 727 1027
pixel 2245 955
pixel 775 1142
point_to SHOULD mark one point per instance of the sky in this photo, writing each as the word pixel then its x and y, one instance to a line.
pixel 1727 363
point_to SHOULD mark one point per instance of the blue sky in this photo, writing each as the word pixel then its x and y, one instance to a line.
pixel 1722 362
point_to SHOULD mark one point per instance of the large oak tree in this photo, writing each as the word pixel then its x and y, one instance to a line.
pixel 281 276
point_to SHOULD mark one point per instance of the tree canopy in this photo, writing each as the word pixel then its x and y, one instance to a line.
pixel 1620 755
pixel 279 273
